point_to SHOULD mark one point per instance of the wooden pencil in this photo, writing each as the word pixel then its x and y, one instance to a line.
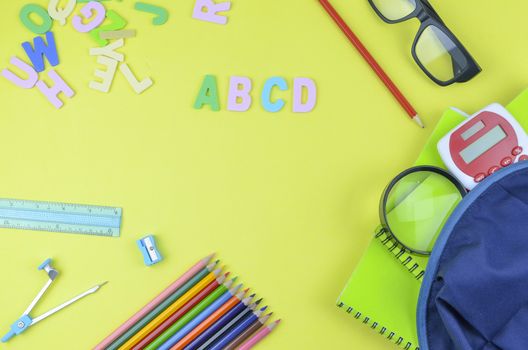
pixel 178 314
pixel 209 321
pixel 246 334
pixel 177 304
pixel 200 265
pixel 243 306
pixel 261 334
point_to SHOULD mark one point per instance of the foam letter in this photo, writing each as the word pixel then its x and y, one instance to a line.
pixel 42 50
pixel 138 86
pixel 298 85
pixel 29 9
pixel 206 10
pixel 52 92
pixel 61 14
pixel 116 23
pixel 118 34
pixel 15 79
pixel 107 75
pixel 161 14
pixel 87 11
pixel 235 93
pixel 208 94
pixel 266 94
pixel 109 50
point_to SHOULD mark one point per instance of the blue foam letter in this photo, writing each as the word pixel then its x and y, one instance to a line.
pixel 266 94
pixel 37 54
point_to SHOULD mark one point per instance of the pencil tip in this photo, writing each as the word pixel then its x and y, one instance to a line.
pixel 264 308
pixel 418 121
pixel 246 290
pixel 258 301
pixel 209 258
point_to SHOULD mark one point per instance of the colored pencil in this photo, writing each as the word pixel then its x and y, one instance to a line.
pixel 231 335
pixel 248 313
pixel 200 265
pixel 172 308
pixel 209 332
pixel 189 316
pixel 177 315
pixel 372 62
pixel 261 334
pixel 203 274
pixel 208 322
pixel 227 297
pixel 248 332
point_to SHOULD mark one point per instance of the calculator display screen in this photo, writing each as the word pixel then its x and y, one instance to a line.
pixel 483 144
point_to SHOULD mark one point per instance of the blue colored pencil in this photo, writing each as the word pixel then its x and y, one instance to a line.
pixel 199 319
pixel 231 335
pixel 222 321
pixel 244 314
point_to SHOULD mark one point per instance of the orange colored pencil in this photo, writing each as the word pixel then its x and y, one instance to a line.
pixel 209 321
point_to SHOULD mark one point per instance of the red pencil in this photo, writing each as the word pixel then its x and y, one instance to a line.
pixel 372 62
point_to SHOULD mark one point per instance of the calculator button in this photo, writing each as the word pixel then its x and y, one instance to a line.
pixel 493 169
pixel 479 177
pixel 506 161
pixel 517 150
pixel 523 157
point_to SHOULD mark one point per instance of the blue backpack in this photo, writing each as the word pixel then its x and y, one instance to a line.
pixel 474 294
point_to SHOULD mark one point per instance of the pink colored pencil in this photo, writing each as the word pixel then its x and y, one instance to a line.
pixel 153 303
pixel 261 334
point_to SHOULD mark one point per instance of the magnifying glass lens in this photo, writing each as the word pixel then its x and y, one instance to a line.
pixel 417 207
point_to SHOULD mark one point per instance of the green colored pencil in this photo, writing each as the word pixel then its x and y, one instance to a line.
pixel 188 317
pixel 161 307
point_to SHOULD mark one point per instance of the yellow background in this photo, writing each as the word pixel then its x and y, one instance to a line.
pixel 288 201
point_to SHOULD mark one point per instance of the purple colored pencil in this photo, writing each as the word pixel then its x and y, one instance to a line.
pixel 240 310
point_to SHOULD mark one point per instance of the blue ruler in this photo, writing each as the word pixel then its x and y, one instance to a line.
pixel 60 217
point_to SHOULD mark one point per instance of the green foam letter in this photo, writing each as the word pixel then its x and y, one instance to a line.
pixel 208 94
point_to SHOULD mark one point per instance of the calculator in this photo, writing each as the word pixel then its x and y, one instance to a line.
pixel 489 140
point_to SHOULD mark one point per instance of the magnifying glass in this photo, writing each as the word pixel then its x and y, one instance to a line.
pixel 416 204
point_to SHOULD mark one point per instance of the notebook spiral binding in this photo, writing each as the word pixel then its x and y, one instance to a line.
pixel 407 260
pixel 401 253
pixel 374 325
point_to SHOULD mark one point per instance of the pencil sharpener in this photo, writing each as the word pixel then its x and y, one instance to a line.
pixel 151 254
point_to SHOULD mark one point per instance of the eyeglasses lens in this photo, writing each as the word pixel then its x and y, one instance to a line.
pixel 439 55
pixel 395 9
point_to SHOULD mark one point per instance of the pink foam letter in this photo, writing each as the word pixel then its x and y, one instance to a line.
pixel 206 10
pixel 87 12
pixel 52 92
pixel 239 88
pixel 298 85
pixel 15 79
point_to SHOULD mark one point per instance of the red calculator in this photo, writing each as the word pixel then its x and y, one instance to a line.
pixel 488 141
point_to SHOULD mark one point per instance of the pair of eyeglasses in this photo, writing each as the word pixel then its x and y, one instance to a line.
pixel 416 204
pixel 435 49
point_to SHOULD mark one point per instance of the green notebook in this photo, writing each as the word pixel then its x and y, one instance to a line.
pixel 383 289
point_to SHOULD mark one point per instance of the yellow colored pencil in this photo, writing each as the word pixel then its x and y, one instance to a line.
pixel 172 309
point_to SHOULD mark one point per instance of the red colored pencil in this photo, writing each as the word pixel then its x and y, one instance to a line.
pixel 177 315
pixel 372 62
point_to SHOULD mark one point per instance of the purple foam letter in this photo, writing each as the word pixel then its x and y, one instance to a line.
pixel 298 85
pixel 206 10
pixel 15 79
pixel 239 88
pixel 52 92
pixel 87 12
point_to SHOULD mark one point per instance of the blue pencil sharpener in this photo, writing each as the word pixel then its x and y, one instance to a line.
pixel 151 254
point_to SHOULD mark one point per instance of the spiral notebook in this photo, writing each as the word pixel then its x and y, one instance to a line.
pixel 383 290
